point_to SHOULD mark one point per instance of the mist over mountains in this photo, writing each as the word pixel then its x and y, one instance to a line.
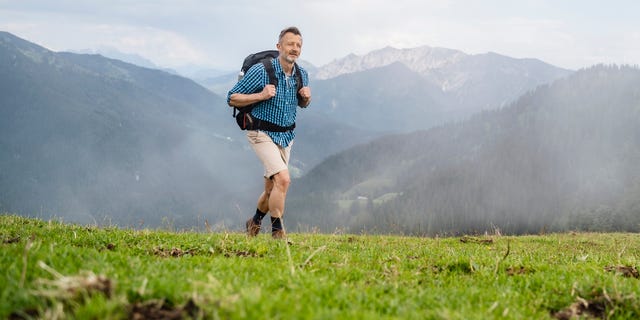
pixel 563 157
pixel 88 138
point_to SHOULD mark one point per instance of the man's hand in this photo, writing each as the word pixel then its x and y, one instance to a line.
pixel 268 92
pixel 305 94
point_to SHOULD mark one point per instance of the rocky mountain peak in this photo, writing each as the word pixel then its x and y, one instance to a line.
pixel 421 59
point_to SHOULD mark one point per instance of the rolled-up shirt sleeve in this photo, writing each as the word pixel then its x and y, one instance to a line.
pixel 253 81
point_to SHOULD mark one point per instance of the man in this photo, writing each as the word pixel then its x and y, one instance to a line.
pixel 278 106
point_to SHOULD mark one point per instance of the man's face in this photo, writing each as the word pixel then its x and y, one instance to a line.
pixel 290 47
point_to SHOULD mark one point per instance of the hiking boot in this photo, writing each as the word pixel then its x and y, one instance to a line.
pixel 278 234
pixel 252 228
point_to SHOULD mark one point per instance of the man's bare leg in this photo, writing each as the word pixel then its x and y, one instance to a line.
pixel 263 200
pixel 276 199
pixel 281 182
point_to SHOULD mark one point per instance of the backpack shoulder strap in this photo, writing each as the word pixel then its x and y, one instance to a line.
pixel 265 57
pixel 298 76
pixel 271 73
pixel 299 84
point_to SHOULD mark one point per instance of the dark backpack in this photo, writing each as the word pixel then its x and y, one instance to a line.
pixel 243 115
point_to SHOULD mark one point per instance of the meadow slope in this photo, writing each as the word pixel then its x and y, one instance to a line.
pixel 50 269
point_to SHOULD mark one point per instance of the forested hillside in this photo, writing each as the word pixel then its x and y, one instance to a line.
pixel 86 138
pixel 562 157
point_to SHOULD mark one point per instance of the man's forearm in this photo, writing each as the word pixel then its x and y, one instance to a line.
pixel 242 100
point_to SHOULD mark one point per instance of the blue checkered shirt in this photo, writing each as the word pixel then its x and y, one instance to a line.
pixel 281 109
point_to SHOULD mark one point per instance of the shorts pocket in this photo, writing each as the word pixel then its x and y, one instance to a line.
pixel 257 136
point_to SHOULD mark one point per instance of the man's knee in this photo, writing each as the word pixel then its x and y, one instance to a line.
pixel 282 180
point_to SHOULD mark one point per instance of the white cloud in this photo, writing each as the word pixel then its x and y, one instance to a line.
pixel 163 47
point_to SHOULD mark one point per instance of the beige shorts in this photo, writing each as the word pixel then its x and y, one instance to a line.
pixel 274 157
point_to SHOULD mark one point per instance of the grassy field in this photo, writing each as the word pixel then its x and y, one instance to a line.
pixel 62 271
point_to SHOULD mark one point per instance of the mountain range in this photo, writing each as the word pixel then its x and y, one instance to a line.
pixel 401 90
pixel 90 138
pixel 85 137
pixel 562 157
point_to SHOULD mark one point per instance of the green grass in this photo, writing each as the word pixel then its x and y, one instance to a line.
pixel 53 270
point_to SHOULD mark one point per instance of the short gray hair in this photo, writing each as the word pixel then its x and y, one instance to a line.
pixel 293 30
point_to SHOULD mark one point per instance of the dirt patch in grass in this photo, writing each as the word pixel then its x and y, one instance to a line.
pixel 519 270
pixel 601 306
pixel 177 253
pixel 595 308
pixel 625 271
pixel 10 240
pixel 174 252
pixel 160 309
pixel 463 267
pixel 469 239
pixel 240 253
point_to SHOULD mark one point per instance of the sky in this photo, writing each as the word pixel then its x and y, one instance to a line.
pixel 218 34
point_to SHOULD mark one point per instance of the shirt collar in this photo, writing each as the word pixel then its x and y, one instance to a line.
pixel 277 67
